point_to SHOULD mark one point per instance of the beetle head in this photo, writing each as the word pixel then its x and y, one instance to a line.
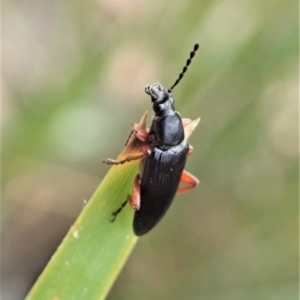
pixel 162 100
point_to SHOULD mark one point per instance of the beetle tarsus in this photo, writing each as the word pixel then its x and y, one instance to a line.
pixel 129 158
pixel 115 213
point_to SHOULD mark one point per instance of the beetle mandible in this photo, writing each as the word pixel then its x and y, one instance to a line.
pixel 163 158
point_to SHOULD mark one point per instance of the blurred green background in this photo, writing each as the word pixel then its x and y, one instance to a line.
pixel 74 74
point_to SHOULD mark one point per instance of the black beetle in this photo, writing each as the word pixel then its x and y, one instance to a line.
pixel 163 158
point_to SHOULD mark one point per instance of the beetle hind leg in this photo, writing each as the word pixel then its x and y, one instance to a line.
pixel 188 179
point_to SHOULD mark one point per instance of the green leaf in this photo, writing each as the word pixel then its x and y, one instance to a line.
pixel 92 254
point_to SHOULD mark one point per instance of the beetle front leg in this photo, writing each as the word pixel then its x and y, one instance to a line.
pixel 145 151
pixel 139 133
pixel 186 121
pixel 189 179
pixel 190 152
pixel 129 158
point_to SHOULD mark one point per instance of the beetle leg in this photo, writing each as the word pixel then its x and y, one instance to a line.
pixel 140 134
pixel 145 151
pixel 111 161
pixel 115 213
pixel 190 152
pixel 186 121
pixel 134 200
pixel 189 179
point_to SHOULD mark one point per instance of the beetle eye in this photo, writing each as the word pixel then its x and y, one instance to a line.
pixel 147 89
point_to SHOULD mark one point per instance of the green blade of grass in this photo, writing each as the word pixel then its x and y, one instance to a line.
pixel 93 252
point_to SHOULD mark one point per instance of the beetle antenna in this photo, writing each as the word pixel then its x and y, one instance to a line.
pixel 192 54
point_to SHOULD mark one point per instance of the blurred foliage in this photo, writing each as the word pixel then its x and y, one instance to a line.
pixel 73 82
